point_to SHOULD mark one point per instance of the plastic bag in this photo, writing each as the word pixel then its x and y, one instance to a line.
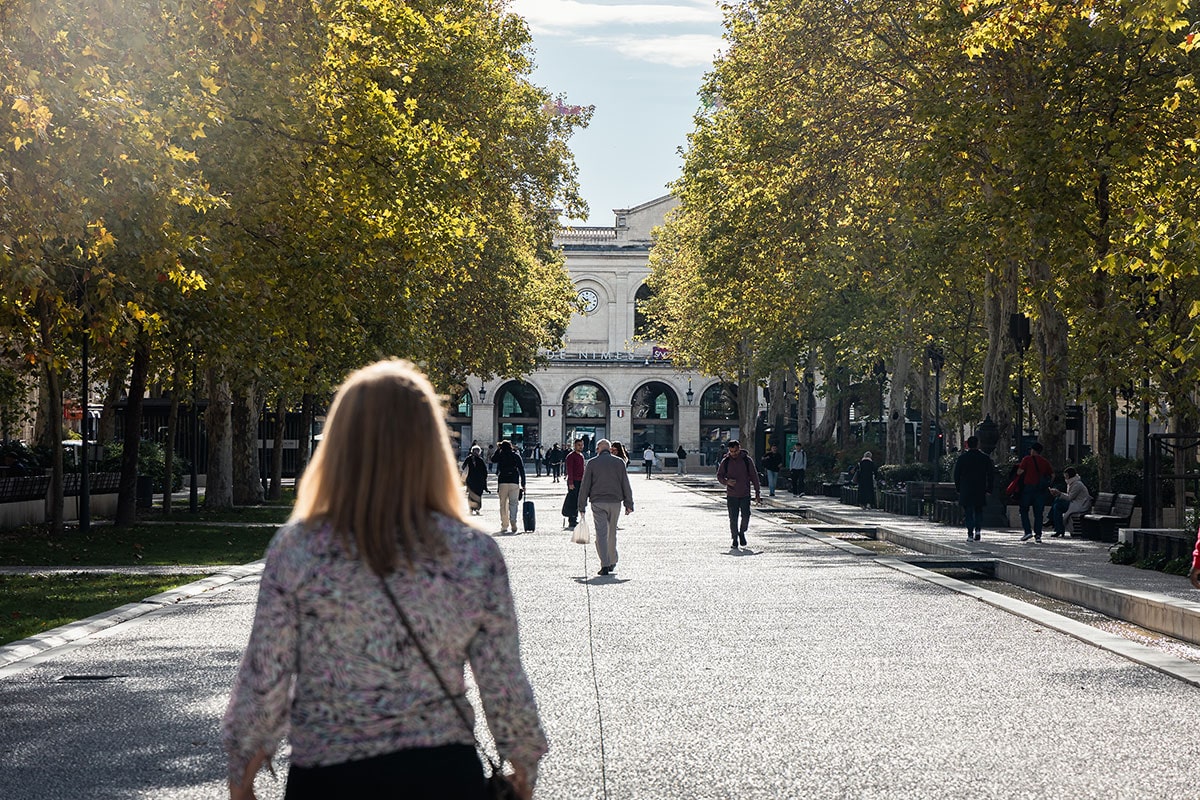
pixel 583 532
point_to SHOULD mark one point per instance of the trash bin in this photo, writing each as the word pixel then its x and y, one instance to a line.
pixel 145 491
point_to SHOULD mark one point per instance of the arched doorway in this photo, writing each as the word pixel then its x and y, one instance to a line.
pixel 519 414
pixel 718 419
pixel 585 415
pixel 654 409
pixel 641 325
pixel 459 421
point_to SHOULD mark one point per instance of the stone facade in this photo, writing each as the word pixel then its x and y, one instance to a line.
pixel 606 382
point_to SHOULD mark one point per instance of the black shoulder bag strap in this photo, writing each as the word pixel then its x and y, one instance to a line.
pixel 496 770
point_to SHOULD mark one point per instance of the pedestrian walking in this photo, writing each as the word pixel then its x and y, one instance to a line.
pixel 554 460
pixel 377 548
pixel 510 483
pixel 491 452
pixel 974 474
pixel 475 476
pixel 620 452
pixel 537 460
pixel 1194 574
pixel 1034 474
pixel 797 465
pixel 648 458
pixel 681 463
pixel 737 474
pixel 772 462
pixel 574 463
pixel 606 486
pixel 865 477
pixel 1069 503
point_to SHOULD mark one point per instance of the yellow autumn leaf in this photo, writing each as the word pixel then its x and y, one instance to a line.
pixel 210 85
pixel 21 105
pixel 18 142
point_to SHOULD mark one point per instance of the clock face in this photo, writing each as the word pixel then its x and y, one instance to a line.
pixel 589 300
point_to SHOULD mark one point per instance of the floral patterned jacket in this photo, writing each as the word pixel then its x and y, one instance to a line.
pixel 330 665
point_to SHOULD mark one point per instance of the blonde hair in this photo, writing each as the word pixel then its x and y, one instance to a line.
pixel 383 465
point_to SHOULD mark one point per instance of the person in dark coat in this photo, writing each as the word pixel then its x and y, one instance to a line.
pixel 475 471
pixel 974 473
pixel 866 481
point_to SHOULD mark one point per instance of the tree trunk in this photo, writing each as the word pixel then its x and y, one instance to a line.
pixel 1106 423
pixel 925 443
pixel 169 444
pixel 218 490
pixel 897 429
pixel 247 478
pixel 1051 341
pixel 276 492
pixel 747 411
pixel 127 493
pixel 304 445
pixel 1000 303
pixel 107 428
pixel 52 423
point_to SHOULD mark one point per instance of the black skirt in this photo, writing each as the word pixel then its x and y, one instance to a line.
pixel 452 772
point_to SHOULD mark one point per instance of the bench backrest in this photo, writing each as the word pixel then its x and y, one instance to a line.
pixel 1123 505
pixel 944 491
pixel 915 489
pixel 1103 504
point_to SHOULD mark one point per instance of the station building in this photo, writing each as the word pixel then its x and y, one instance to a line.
pixel 606 382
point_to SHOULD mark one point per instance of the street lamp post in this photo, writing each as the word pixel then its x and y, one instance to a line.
pixel 937 361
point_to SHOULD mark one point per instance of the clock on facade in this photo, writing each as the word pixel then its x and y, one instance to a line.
pixel 589 300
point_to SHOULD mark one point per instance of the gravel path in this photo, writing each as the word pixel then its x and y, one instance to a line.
pixel 792 670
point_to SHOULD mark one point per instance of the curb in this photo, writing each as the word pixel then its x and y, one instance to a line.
pixel 81 629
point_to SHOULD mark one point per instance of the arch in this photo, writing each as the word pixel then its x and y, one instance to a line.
pixel 458 419
pixel 585 410
pixel 655 412
pixel 641 326
pixel 718 419
pixel 519 414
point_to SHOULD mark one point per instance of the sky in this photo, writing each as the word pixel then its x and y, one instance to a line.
pixel 641 66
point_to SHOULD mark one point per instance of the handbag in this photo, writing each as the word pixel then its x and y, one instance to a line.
pixel 499 786
pixel 583 531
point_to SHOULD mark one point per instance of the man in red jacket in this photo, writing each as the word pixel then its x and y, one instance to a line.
pixel 574 469
pixel 1035 474
pixel 737 474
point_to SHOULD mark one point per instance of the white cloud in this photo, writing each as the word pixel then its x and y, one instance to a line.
pixel 685 50
pixel 564 16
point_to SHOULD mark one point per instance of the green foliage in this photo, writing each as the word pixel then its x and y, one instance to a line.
pixel 895 475
pixel 1122 553
pixel 1178 566
pixel 151 462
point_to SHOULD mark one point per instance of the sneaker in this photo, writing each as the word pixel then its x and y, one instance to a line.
pixel 1027 537
pixel 604 571
pixel 1037 540
pixel 970 536
pixel 977 536
pixel 1055 535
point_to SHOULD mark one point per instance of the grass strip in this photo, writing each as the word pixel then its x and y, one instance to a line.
pixel 32 604
pixel 274 513
pixel 137 545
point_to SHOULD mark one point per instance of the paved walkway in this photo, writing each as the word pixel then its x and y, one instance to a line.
pixel 792 669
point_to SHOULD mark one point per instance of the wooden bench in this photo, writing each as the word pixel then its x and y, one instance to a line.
pixel 914 492
pixel 849 494
pixel 1102 525
pixel 941 501
pixel 98 483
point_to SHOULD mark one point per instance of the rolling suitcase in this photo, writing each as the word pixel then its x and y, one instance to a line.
pixel 529 515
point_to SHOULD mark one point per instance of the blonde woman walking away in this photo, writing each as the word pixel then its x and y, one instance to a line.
pixel 374 583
